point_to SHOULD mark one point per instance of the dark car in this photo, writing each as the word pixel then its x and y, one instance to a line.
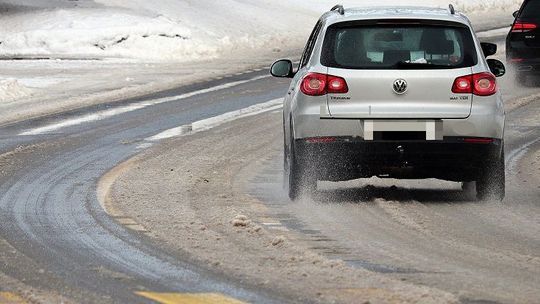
pixel 523 41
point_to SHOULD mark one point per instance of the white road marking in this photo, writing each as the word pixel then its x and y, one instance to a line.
pixel 81 120
pixel 133 107
pixel 215 121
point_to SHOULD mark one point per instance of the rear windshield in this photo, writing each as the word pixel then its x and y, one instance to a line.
pixel 398 46
pixel 531 9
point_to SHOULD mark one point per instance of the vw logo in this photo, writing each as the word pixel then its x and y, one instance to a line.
pixel 400 86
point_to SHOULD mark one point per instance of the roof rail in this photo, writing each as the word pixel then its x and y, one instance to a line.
pixel 339 8
pixel 452 9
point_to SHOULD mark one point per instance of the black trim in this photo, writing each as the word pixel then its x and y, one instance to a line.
pixel 390 21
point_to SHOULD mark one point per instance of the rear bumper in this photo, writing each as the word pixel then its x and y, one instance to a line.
pixel 485 120
pixel 346 158
pixel 527 67
pixel 524 59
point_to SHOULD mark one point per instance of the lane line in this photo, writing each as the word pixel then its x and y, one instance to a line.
pixel 215 121
pixel 133 107
pixel 11 298
pixel 189 298
pixel 80 120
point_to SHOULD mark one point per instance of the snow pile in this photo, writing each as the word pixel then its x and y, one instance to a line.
pixel 11 89
pixel 99 33
pixel 175 30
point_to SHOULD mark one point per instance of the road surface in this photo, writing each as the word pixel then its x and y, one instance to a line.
pixel 56 236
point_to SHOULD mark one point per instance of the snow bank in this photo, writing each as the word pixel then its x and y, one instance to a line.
pixel 175 30
pixel 99 33
pixel 10 89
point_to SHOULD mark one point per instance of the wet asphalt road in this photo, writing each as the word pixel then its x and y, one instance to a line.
pixel 62 240
pixel 50 215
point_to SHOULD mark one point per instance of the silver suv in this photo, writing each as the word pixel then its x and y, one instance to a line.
pixel 401 92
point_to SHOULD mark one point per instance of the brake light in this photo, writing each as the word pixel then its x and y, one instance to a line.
pixel 481 84
pixel 316 84
pixel 523 27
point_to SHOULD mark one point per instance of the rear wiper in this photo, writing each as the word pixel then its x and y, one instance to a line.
pixel 418 65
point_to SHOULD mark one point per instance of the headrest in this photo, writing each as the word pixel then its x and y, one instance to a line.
pixel 394 56
pixel 434 42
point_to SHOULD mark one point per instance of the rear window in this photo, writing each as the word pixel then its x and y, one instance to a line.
pixel 531 9
pixel 398 46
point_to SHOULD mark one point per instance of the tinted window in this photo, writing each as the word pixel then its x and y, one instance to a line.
pixel 399 46
pixel 531 9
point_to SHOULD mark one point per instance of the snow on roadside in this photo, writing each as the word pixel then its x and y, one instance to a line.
pixel 11 89
pixel 99 33
pixel 173 30
pixel 487 6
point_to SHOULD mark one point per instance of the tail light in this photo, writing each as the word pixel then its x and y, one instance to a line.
pixel 316 84
pixel 523 27
pixel 463 85
pixel 481 84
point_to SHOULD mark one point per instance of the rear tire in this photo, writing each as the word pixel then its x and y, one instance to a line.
pixel 491 185
pixel 300 179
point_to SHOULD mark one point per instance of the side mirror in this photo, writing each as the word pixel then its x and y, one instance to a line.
pixel 489 48
pixel 497 68
pixel 282 68
pixel 515 14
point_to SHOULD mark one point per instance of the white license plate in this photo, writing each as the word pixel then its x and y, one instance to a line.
pixel 432 128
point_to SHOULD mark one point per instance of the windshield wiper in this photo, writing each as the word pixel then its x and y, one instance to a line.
pixel 418 65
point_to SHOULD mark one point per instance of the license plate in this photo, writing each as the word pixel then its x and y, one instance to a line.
pixel 432 128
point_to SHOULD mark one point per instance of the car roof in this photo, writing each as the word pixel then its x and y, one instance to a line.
pixel 395 12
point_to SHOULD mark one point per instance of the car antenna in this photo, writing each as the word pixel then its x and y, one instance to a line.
pixel 452 9
pixel 339 8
